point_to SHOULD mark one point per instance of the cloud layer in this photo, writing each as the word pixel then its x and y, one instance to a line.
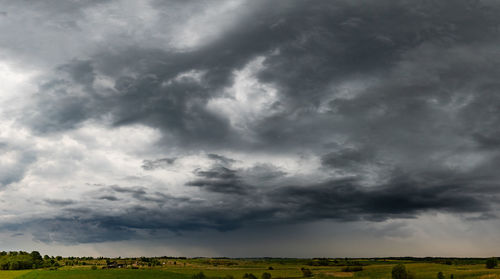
pixel 122 121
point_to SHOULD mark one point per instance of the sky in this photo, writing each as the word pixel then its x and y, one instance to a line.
pixel 248 128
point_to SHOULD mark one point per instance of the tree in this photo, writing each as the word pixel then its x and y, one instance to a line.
pixel 14 266
pixel 266 275
pixel 440 275
pixel 491 263
pixel 306 272
pixel 35 255
pixel 399 272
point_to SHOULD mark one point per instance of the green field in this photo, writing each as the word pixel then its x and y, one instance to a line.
pixel 8 274
pixel 104 274
pixel 278 268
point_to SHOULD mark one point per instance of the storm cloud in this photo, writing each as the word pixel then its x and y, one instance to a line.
pixel 188 116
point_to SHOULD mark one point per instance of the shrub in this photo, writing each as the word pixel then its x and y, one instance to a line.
pixel 266 275
pixel 352 268
pixel 491 263
pixel 399 272
pixel 270 268
pixel 94 267
pixel 229 277
pixel 200 275
pixel 306 272
pixel 440 275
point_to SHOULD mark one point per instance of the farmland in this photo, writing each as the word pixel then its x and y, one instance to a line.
pixel 182 268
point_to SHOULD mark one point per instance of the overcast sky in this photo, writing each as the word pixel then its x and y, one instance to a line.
pixel 250 128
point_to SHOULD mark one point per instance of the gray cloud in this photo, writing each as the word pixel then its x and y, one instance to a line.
pixel 341 200
pixel 219 179
pixel 12 171
pixel 108 197
pixel 396 102
pixel 158 163
pixel 59 202
pixel 221 159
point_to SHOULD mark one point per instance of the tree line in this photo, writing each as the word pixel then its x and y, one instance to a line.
pixel 22 260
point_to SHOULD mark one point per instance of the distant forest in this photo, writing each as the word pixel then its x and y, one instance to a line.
pixel 15 260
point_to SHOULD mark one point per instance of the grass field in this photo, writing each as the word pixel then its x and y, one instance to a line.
pixel 9 274
pixel 104 274
pixel 185 269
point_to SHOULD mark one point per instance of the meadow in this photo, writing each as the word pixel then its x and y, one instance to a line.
pixel 237 268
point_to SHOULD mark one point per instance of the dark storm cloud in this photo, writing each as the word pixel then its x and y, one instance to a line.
pixel 220 177
pixel 341 200
pixel 401 97
pixel 76 230
pixel 130 222
pixel 402 198
pixel 307 48
pixel 154 97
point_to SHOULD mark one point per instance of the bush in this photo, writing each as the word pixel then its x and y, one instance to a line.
pixel 399 272
pixel 249 276
pixel 440 275
pixel 94 267
pixel 306 272
pixel 266 275
pixel 229 277
pixel 270 268
pixel 491 263
pixel 200 275
pixel 352 268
